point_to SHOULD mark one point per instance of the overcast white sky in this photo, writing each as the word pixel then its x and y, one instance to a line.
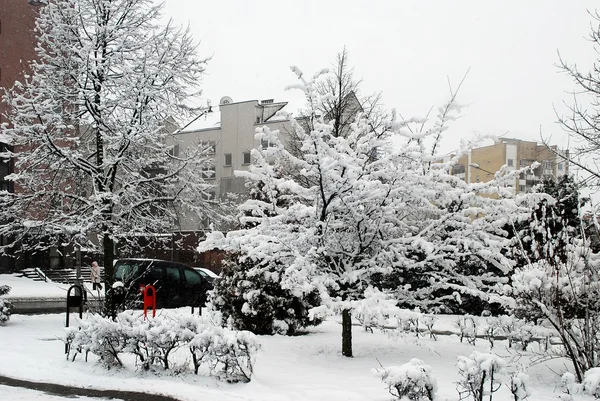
pixel 404 48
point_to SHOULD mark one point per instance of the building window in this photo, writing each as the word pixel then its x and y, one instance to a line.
pixel 522 176
pixel 208 172
pixel 521 188
pixel 510 162
pixel 264 143
pixel 560 167
pixel 228 160
pixel 210 195
pixel 547 165
pixel 458 169
pixel 246 157
pixel 174 151
pixel 209 146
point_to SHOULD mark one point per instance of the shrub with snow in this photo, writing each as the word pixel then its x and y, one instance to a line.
pixel 413 380
pixel 468 328
pixel 375 309
pixel 5 305
pixel 481 374
pixel 228 354
pixel 251 297
pixel 591 382
pixel 519 386
pixel 570 385
pixel 100 336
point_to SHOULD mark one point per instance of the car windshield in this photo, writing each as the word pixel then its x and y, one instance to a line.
pixel 127 270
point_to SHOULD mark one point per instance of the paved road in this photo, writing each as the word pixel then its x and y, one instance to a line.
pixel 70 392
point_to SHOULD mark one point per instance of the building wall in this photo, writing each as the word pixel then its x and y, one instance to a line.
pixel 489 159
pixel 17 49
pixel 235 136
pixel 481 164
pixel 17 42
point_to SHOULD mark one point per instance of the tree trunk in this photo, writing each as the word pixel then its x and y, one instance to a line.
pixel 109 273
pixel 347 333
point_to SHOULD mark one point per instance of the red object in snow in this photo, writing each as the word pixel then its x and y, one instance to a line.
pixel 149 300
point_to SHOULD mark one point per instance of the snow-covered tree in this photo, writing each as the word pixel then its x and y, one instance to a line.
pixel 92 128
pixel 352 207
pixel 557 276
pixel 5 305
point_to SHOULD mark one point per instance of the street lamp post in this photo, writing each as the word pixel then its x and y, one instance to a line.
pixel 478 167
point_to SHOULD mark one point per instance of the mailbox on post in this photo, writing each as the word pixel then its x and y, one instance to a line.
pixel 149 300
pixel 76 297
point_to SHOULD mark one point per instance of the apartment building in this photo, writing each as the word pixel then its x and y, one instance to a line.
pixel 17 49
pixel 230 133
pixel 482 163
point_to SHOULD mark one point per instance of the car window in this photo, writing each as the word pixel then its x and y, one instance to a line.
pixel 153 274
pixel 172 273
pixel 127 271
pixel 192 277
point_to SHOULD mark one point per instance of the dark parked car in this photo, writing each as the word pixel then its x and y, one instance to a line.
pixel 176 284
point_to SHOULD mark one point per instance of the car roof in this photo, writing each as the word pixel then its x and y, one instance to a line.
pixel 148 260
pixel 207 271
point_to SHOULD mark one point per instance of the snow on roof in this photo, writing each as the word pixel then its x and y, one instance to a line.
pixel 277 119
pixel 210 120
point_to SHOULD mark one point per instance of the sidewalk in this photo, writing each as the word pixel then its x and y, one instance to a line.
pixel 70 392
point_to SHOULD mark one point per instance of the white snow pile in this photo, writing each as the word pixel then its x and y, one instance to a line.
pixel 413 380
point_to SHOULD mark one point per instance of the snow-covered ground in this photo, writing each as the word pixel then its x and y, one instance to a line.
pixel 307 367
pixel 22 287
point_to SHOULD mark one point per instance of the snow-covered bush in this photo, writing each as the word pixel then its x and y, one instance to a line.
pixel 467 326
pixel 413 381
pixel 428 322
pixel 228 354
pixel 481 375
pixel 375 310
pixel 591 382
pixel 570 385
pixel 5 305
pixel 251 297
pixel 100 336
pixel 519 385
pixel 493 329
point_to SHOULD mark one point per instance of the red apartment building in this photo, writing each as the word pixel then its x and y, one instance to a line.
pixel 17 49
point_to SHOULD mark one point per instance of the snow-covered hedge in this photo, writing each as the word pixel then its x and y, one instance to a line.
pixel 481 374
pixel 225 353
pixel 413 380
pixel 5 305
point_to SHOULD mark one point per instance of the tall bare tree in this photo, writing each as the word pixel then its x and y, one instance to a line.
pixel 583 120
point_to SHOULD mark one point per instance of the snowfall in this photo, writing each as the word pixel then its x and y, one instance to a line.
pixel 305 367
